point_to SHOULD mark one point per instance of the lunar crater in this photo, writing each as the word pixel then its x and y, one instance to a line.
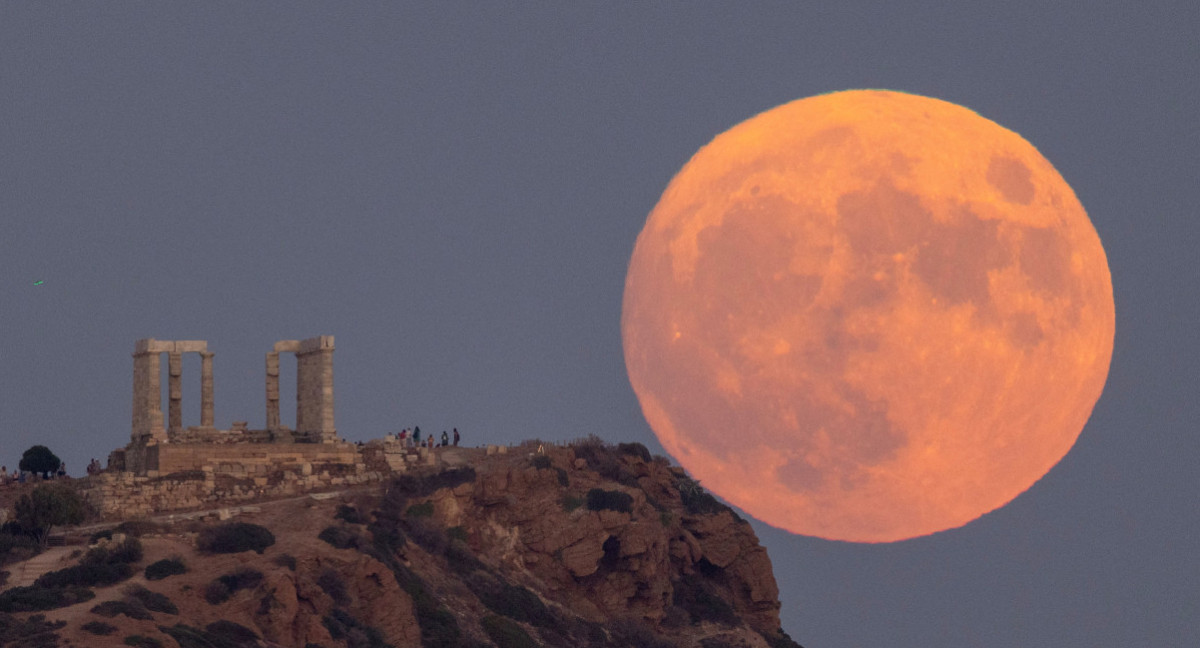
pixel 1012 179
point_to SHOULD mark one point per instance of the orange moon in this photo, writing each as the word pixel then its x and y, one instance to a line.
pixel 868 316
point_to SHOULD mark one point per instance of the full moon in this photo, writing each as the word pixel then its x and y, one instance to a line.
pixel 868 316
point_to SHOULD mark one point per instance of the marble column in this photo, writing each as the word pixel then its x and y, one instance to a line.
pixel 314 389
pixel 147 403
pixel 272 390
pixel 206 389
pixel 175 385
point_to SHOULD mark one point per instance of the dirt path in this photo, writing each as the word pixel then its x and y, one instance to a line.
pixel 231 511
pixel 24 573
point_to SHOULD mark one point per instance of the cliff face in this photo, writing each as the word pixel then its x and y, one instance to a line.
pixel 579 546
pixel 532 516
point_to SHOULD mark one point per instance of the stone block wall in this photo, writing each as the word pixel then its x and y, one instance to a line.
pixel 244 458
pixel 123 495
pixel 205 475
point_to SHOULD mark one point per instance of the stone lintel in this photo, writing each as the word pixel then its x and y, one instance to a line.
pixel 191 346
pixel 282 346
pixel 151 345
pixel 319 343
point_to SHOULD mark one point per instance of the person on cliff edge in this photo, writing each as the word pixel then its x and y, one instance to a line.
pixel 445 439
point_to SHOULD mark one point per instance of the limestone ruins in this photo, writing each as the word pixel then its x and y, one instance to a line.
pixel 155 449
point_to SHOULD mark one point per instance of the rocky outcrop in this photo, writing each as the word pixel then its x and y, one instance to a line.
pixel 531 515
pixel 292 605
pixel 584 546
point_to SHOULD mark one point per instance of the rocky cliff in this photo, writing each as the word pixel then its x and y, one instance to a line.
pixel 580 546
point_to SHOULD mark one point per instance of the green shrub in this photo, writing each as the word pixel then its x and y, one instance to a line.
pixel 242 578
pixel 15 547
pixel 39 459
pixel 599 499
pixel 541 462
pixel 386 533
pixel 514 602
pixel 562 477
pixel 161 569
pixel 235 537
pixel 105 534
pixel 350 515
pixel 570 503
pixel 634 632
pixel 34 598
pixel 696 500
pixel 634 450
pixel 152 601
pixel 221 589
pixel 341 625
pixel 131 609
pixel 415 485
pixel 605 460
pixel 285 560
pixel 427 534
pixel 697 597
pixel 422 510
pixel 217 592
pixel 386 536
pixel 33 632
pixel 666 518
pixel 139 528
pixel 460 559
pixel 47 506
pixel 232 633
pixel 332 583
pixel 188 637
pixel 86 575
pixel 779 639
pixel 506 633
pixel 127 551
pixel 139 641
pixel 439 628
pixel 339 536
pixel 98 628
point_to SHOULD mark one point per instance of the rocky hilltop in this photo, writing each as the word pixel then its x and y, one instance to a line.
pixel 587 545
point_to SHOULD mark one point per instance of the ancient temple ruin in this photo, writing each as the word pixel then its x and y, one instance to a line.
pixel 155 449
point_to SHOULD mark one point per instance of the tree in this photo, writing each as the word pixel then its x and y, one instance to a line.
pixel 49 505
pixel 39 459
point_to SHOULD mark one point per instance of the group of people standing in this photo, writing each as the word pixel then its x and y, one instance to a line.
pixel 21 476
pixel 412 438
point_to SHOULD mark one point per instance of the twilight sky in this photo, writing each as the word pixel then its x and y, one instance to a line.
pixel 454 192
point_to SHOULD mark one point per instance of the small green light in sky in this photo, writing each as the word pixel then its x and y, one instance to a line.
pixel 38 283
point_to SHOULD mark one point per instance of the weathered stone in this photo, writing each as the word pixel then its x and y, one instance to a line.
pixel 583 557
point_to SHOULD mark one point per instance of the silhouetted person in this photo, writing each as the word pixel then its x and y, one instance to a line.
pixel 456 437
pixel 417 436
pixel 445 439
